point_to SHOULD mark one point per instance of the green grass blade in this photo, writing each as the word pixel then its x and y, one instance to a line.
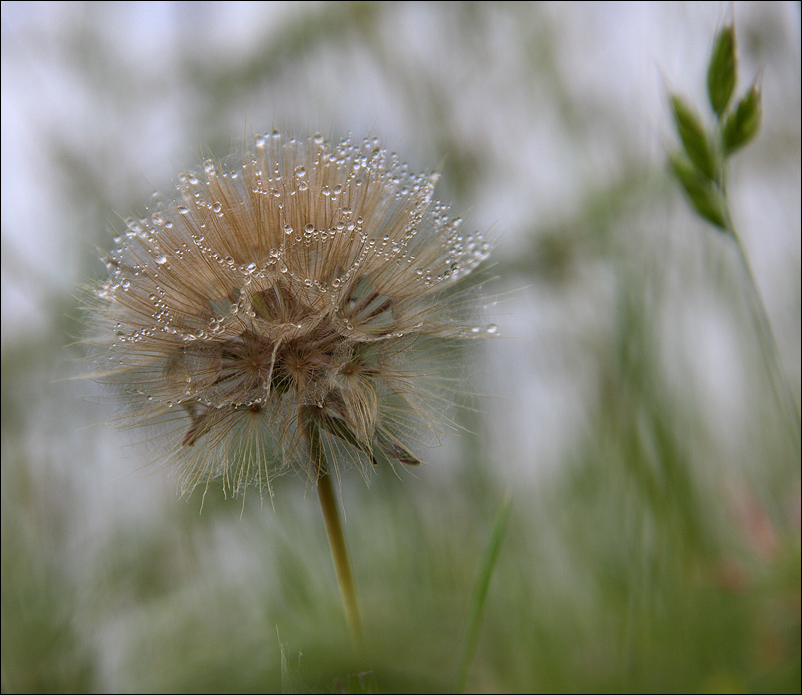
pixel 480 592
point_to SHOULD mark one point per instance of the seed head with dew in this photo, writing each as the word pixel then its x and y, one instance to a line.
pixel 302 282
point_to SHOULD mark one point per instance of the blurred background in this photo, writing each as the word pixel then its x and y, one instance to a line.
pixel 654 539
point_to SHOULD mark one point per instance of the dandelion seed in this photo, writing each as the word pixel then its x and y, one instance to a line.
pixel 298 287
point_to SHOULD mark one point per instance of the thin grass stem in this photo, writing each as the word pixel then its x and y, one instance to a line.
pixel 768 342
pixel 480 592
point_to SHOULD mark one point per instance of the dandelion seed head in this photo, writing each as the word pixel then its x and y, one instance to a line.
pixel 300 280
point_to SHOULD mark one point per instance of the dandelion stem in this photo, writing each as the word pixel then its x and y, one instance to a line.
pixel 334 531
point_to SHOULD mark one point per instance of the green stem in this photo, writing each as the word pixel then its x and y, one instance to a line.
pixel 768 342
pixel 480 592
pixel 334 531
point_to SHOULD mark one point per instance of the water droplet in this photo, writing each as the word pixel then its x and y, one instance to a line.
pixel 125 284
pixel 288 229
pixel 300 171
pixel 217 208
pixel 282 266
pixel 309 228
pixel 161 259
pixel 183 209
pixel 492 328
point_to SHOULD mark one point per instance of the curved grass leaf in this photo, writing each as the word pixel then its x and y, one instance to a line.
pixel 721 74
pixel 743 124
pixel 694 138
pixel 703 193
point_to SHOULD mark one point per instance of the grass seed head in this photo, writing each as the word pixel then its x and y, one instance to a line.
pixel 302 282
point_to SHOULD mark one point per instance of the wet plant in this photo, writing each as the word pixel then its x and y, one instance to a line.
pixel 286 311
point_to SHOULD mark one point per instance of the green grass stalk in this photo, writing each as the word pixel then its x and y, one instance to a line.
pixel 480 592
pixel 768 342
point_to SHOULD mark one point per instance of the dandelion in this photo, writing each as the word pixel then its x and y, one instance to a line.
pixel 279 313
